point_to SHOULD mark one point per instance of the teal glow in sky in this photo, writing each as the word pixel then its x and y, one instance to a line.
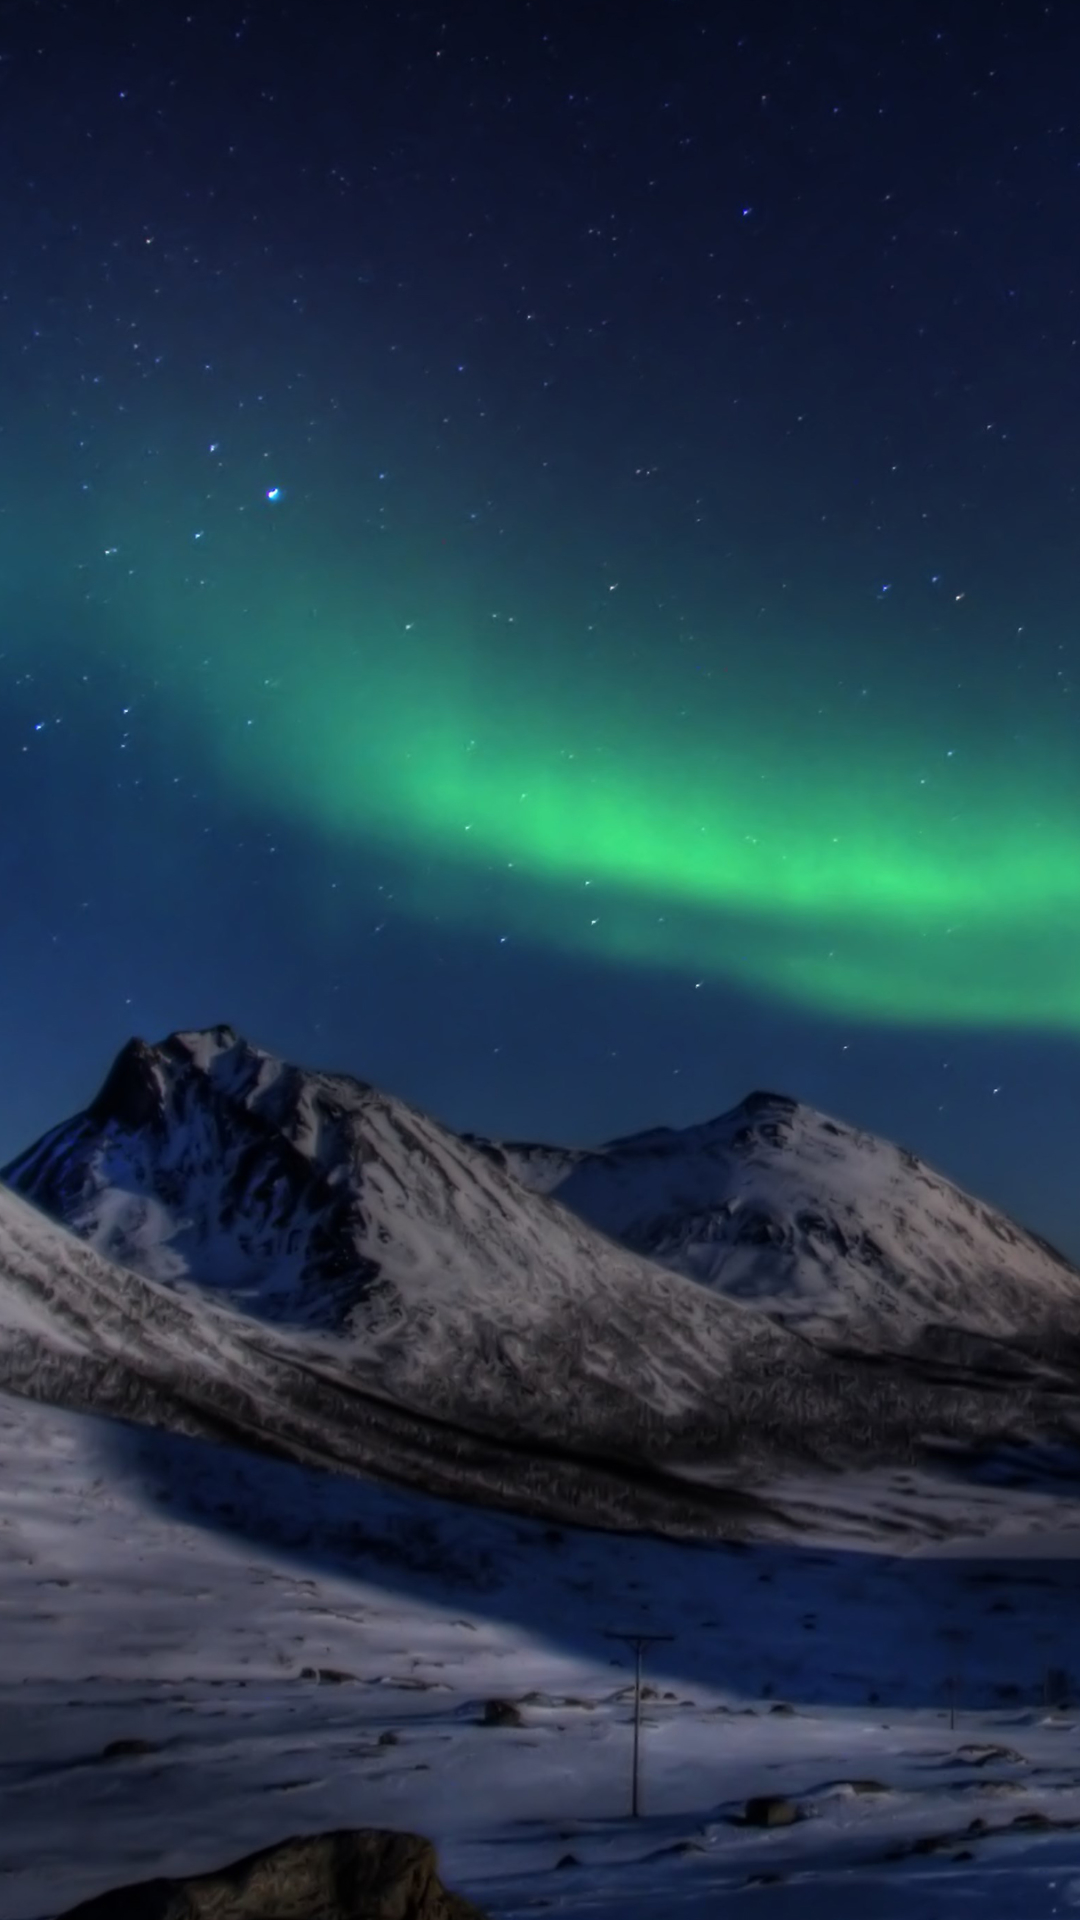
pixel 541 565
pixel 758 818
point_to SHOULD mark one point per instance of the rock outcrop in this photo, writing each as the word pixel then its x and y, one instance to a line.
pixel 354 1874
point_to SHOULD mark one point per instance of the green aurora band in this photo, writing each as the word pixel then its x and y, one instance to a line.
pixel 752 833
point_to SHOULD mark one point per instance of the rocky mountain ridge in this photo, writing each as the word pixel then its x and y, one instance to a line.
pixel 820 1225
pixel 321 1268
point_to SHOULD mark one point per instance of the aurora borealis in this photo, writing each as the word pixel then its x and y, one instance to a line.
pixel 541 561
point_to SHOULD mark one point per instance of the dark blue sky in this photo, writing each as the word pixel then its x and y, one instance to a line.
pixel 675 409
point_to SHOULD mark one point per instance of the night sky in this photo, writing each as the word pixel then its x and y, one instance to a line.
pixel 540 558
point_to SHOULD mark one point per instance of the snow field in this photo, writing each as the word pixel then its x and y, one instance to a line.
pixel 169 1591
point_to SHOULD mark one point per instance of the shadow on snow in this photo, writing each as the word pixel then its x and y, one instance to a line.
pixel 805 1625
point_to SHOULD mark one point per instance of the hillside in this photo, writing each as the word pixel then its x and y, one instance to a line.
pixel 826 1228
pixel 318 1268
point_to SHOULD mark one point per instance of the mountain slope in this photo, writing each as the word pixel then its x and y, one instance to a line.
pixel 828 1229
pixel 317 1203
pixel 317 1267
pixel 390 1299
pixel 79 1331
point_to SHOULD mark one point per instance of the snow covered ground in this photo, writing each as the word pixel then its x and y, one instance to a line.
pixel 169 1591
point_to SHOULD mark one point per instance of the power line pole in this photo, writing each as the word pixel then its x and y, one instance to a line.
pixel 639 1641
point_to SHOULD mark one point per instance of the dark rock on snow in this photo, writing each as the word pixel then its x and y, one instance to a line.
pixel 358 1874
pixel 501 1713
pixel 770 1810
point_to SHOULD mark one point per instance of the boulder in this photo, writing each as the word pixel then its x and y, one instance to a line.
pixel 354 1874
pixel 501 1713
pixel 974 1755
pixel 770 1810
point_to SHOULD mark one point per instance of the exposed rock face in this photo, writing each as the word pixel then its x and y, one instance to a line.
pixel 361 1874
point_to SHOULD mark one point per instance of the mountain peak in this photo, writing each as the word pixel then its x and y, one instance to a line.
pixel 818 1224
pixel 132 1094
pixel 760 1101
pixel 709 1293
pixel 207 1156
pixel 205 1043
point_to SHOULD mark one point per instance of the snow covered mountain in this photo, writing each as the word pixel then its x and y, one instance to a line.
pixel 345 1278
pixel 825 1228
pixel 317 1267
pixel 315 1202
pixel 77 1330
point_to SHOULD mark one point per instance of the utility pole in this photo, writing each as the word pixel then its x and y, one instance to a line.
pixel 639 1641
pixel 956 1637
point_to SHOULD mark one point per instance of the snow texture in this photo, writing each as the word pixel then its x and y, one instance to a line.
pixel 829 1229
pixel 849 1410
pixel 302 1261
pixel 299 1652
